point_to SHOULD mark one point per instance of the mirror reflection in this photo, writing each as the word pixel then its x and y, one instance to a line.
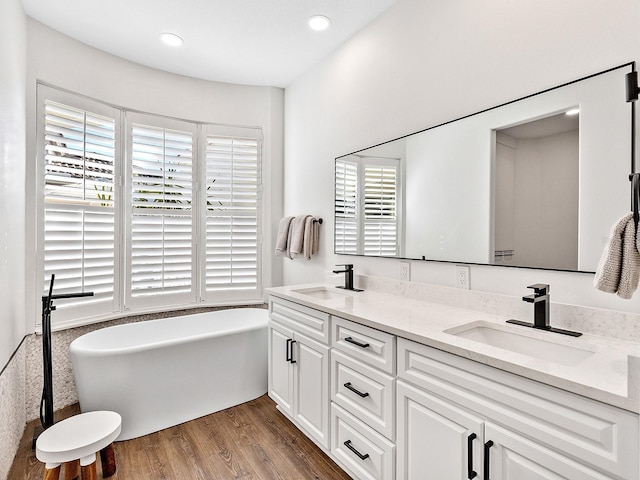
pixel 537 165
pixel 537 182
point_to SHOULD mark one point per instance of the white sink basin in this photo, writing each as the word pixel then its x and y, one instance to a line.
pixel 552 347
pixel 322 293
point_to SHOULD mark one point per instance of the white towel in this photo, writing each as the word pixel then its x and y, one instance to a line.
pixel 311 238
pixel 296 235
pixel 619 267
pixel 282 239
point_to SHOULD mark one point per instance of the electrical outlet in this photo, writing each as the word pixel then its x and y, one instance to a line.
pixel 405 271
pixel 462 276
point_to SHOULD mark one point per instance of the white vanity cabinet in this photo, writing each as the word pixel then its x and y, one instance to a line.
pixel 459 419
pixel 299 366
pixel 436 439
pixel 363 400
pixel 385 407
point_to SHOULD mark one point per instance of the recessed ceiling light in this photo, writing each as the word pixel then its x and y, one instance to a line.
pixel 573 111
pixel 319 23
pixel 171 39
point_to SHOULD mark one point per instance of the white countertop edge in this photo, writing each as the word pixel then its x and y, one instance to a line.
pixel 605 383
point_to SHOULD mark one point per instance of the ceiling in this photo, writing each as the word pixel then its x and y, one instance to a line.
pixel 252 42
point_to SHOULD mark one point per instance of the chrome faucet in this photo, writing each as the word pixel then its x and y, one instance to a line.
pixel 348 277
pixel 541 316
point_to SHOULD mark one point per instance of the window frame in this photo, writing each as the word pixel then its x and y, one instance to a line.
pixel 234 296
pixel 69 311
pixel 155 301
pixel 83 313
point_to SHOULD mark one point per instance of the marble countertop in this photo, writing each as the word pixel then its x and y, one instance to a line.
pixel 610 373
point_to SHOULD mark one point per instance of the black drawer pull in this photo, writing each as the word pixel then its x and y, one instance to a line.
pixel 487 446
pixel 355 342
pixel 470 472
pixel 288 352
pixel 361 456
pixel 357 392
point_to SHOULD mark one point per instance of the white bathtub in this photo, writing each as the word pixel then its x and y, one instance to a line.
pixel 160 373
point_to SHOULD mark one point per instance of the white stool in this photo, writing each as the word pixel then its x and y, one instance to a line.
pixel 75 442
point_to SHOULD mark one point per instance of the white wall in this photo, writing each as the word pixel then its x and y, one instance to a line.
pixel 12 236
pixel 423 63
pixel 60 61
pixel 12 176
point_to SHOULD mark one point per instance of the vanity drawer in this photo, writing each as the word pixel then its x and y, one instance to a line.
pixel 310 322
pixel 363 451
pixel 588 431
pixel 368 345
pixel 363 391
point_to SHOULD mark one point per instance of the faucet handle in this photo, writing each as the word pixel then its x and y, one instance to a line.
pixel 540 289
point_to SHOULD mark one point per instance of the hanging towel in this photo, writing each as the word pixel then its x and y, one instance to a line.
pixel 282 239
pixel 619 267
pixel 311 237
pixel 296 235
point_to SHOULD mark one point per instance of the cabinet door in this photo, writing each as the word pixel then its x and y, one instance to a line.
pixel 513 457
pixel 311 387
pixel 280 368
pixel 436 440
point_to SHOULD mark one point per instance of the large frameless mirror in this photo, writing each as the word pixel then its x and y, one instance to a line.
pixel 536 182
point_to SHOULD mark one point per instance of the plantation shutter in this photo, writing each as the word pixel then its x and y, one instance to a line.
pixel 167 218
pixel 346 207
pixel 380 210
pixel 232 219
pixel 161 253
pixel 78 149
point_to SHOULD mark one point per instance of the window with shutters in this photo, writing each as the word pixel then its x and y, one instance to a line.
pixel 80 204
pixel 161 236
pixel 168 217
pixel 366 206
pixel 232 227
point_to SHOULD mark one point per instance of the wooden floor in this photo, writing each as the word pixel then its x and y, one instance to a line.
pixel 249 441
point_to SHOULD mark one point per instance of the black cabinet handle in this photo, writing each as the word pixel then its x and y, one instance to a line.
pixel 357 392
pixel 487 446
pixel 355 342
pixel 291 359
pixel 288 353
pixel 361 456
pixel 470 472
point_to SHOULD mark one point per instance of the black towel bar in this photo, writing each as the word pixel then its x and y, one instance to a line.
pixel 635 196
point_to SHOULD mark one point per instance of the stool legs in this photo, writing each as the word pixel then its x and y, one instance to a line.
pixel 86 464
pixel 72 470
pixel 88 467
pixel 52 471
pixel 108 459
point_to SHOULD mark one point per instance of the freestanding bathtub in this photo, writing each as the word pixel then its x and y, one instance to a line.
pixel 160 373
